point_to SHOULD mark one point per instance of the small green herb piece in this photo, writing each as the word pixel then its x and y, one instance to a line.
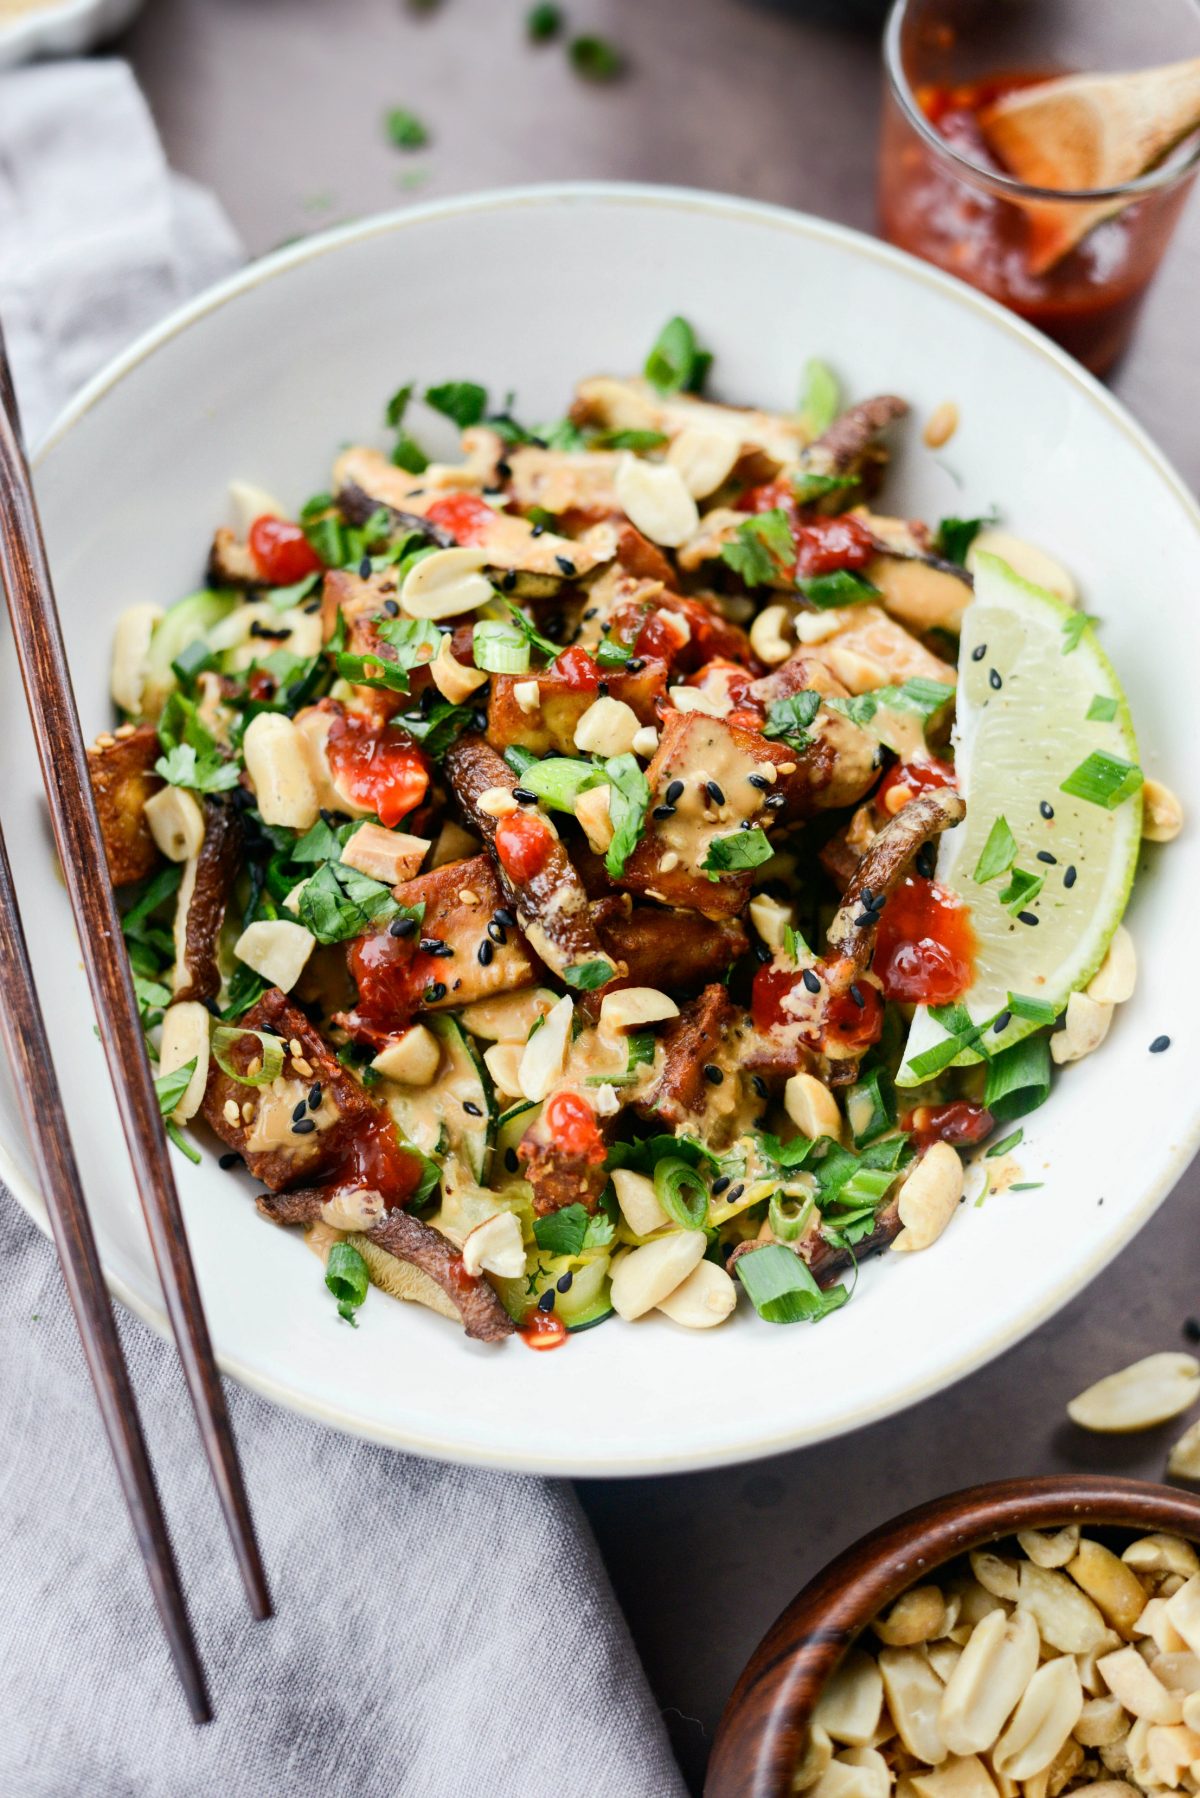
pixel 841 588
pixel 942 1054
pixel 781 1288
pixel 408 455
pixel 543 22
pixel 794 945
pixel 1027 1186
pixel 1074 628
pixel 171 1087
pixel 1021 889
pixel 500 648
pixel 760 548
pixel 558 780
pixel 1034 1011
pixel 628 440
pixel 347 1279
pixel 610 654
pixel 682 1192
pixel 998 853
pixel 677 364
pixel 531 633
pixel 820 398
pixel 870 1107
pixel 1018 1079
pixel 955 536
pixel 596 59
pixel 571 1231
pixel 438 727
pixel 338 903
pixel 1103 708
pixel 587 976
pixel 1005 1144
pixel 788 719
pixel 270 1055
pixel 628 803
pixel 182 767
pixel 1103 779
pixel 809 488
pixel 404 129
pixel 463 401
pixel 737 852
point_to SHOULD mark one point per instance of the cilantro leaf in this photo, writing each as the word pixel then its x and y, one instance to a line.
pixel 737 852
pixel 338 902
pixel 463 401
pixel 571 1230
pixel 531 633
pixel 1074 628
pixel 587 976
pixel 788 719
pixel 954 537
pixel 1021 888
pixel 182 767
pixel 595 58
pixel 170 1088
pixel 820 397
pixel 998 853
pixel 628 802
pixel 543 22
pixel 676 364
pixel 760 548
pixel 809 488
pixel 839 588
pixel 404 129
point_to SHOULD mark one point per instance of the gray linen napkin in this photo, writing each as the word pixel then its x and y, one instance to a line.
pixel 440 1631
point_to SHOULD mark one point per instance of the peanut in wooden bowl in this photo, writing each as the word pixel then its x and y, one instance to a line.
pixel 761 1733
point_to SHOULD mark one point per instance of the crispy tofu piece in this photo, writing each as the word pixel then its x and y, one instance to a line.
pixel 230 563
pixel 580 483
pixel 882 651
pixel 123 778
pixel 560 706
pixel 258 1121
pixel 768 441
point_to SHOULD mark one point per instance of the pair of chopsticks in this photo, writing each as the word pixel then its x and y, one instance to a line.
pixel 41 653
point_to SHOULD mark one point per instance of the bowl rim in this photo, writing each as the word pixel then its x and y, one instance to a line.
pixel 760 1734
pixel 785 219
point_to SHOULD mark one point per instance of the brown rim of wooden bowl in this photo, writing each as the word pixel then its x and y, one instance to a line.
pixel 761 1732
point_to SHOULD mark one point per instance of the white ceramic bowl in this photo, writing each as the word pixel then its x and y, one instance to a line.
pixel 262 379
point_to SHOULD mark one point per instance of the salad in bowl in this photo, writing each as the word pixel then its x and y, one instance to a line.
pixel 625 868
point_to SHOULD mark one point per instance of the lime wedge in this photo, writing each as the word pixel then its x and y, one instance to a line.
pixel 1022 727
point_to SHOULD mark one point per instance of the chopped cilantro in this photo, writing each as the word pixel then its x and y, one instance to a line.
pixel 998 853
pixel 596 59
pixel 760 548
pixel 586 976
pixel 788 719
pixel 676 364
pixel 820 397
pixel 1074 628
pixel 737 852
pixel 404 129
pixel 463 401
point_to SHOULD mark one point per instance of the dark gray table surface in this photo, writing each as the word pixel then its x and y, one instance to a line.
pixel 276 104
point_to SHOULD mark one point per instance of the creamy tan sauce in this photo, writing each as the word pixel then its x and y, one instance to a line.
pixel 709 753
pixel 271 1126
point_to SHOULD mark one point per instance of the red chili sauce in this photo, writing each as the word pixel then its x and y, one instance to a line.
pixel 925 946
pixel 464 515
pixel 841 1017
pixel 542 1330
pixel 915 778
pixel 572 1126
pixel 282 551
pixel 524 844
pixel 1088 299
pixel 375 1161
pixel 378 766
pixel 961 1122
pixel 822 544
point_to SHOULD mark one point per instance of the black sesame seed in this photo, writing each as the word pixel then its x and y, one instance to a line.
pixel 304 1127
pixel 719 1185
pixel 511 1160
pixel 1191 1328
pixel 602 689
pixel 759 1085
pixel 433 945
pixel 1046 809
pixel 229 1160
pixel 402 926
pixel 391 607
pixel 1027 917
pixel 812 981
pixel 714 792
pixel 509 580
pixel 298 1111
pixel 635 664
pixel 663 811
pixel 1159 1044
pixel 761 952
pixel 434 991
pixel 994 681
pixel 364 569
pixel 314 605
pixel 759 780
pixel 713 1074
pixel 565 1281
pixel 537 530
pixel 856 994
pixel 775 800
pixel 546 1302
pixel 484 953
pixel 734 1194
pixel 674 792
pixel 979 651
pixel 590 613
pixel 523 796
pixel 1044 855
pixel 1070 876
pixel 566 564
pixel 472 1110
pixel 864 918
pixel 925 861
pixel 503 469
pixel 496 932
pixel 314 1097
pixel 502 915
pixel 1002 1021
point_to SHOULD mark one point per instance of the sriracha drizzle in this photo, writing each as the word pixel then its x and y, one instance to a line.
pixel 378 766
pixel 925 946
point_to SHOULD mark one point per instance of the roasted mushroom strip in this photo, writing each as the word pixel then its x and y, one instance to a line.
pixel 123 778
pixel 204 892
pixel 851 445
pixel 551 903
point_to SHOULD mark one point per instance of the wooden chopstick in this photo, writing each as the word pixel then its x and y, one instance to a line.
pixel 41 653
pixel 23 1029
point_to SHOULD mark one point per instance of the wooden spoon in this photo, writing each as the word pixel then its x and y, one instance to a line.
pixel 1089 131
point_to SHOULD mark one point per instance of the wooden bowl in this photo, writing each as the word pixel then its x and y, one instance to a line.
pixel 762 1729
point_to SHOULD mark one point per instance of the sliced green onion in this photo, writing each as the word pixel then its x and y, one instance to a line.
pixel 789 1217
pixel 682 1192
pixel 182 1144
pixel 587 976
pixel 223 1039
pixel 1018 1079
pixel 170 1088
pixel 1006 1143
pixel 1074 628
pixel 1035 1011
pixel 782 1289
pixel 1103 779
pixel 866 1187
pixel 841 588
pixel 1021 889
pixel 499 648
pixel 998 853
pixel 520 759
pixel 870 1107
pixel 559 780
pixel 942 1054
pixel 820 397
pixel 1103 708
pixel 347 1279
